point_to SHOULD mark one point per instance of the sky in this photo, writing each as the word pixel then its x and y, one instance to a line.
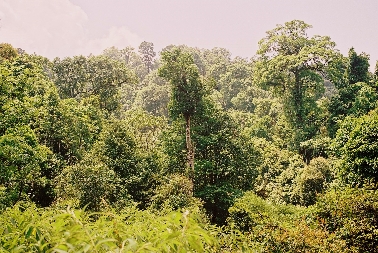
pixel 61 28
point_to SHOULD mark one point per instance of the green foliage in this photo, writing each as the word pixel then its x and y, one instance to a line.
pixel 7 52
pixel 354 100
pixel 291 63
pixel 80 77
pixel 23 166
pixel 129 57
pixel 312 180
pixel 28 229
pixel 356 96
pixel 179 69
pixel 225 163
pixel 25 95
pixel 276 171
pixel 173 146
pixel 316 147
pixel 268 227
pixel 154 95
pixel 134 161
pixel 248 99
pixel 145 128
pixel 146 49
pixel 358 67
pixel 352 214
pixel 90 184
pixel 70 128
pixel 284 178
pixel 262 128
pixel 175 193
pixel 216 60
pixel 266 121
pixel 24 92
pixel 356 144
pixel 237 77
pixel 117 147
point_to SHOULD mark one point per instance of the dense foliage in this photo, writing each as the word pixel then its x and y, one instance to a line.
pixel 190 150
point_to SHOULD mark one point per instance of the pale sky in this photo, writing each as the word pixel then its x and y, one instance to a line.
pixel 70 27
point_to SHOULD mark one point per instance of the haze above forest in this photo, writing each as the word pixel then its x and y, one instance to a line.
pixel 65 28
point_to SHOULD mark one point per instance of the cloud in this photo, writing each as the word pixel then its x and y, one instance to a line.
pixel 55 28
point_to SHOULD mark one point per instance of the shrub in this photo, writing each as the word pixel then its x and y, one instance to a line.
pixel 175 193
pixel 90 183
pixel 267 227
pixel 356 144
pixel 312 180
pixel 251 212
pixel 25 228
pixel 352 214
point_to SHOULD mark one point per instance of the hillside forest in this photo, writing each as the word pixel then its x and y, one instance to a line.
pixel 190 150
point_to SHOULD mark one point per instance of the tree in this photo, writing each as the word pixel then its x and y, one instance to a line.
pixel 311 181
pixel 81 77
pixel 187 91
pixel 356 144
pixel 198 56
pixel 146 49
pixel 23 166
pixel 154 95
pixel 70 128
pixel 216 61
pixel 130 153
pixel 277 228
pixel 225 163
pixel 295 66
pixel 237 78
pixel 358 67
pixel 90 184
pixel 128 56
pixel 7 52
pixel 355 96
pixel 27 166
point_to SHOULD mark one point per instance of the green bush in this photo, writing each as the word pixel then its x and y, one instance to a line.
pixel 352 214
pixel 23 165
pixel 267 227
pixel 25 228
pixel 312 180
pixel 251 212
pixel 356 144
pixel 90 184
pixel 175 193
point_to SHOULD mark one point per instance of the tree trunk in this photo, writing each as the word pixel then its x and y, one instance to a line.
pixel 189 149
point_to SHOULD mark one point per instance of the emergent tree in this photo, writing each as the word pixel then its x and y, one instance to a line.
pixel 295 67
pixel 187 92
pixel 146 49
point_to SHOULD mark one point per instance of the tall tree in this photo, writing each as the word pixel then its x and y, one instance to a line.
pixel 358 67
pixel 355 96
pixel 295 65
pixel 187 91
pixel 80 77
pixel 146 49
